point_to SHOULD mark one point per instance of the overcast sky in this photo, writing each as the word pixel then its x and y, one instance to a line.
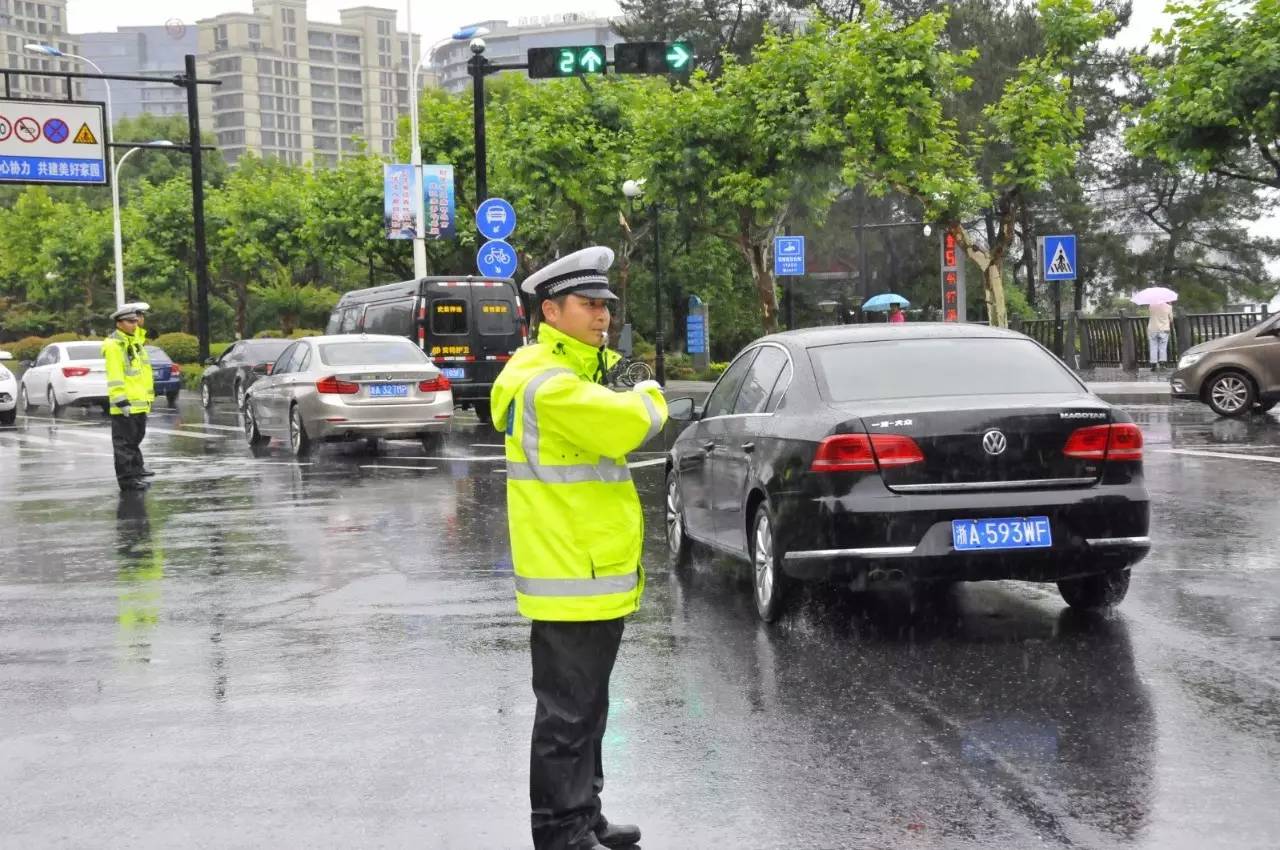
pixel 433 19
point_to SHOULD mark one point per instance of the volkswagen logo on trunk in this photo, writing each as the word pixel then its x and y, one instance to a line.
pixel 995 442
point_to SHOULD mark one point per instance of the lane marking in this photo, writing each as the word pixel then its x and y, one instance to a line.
pixel 1223 455
pixel 170 431
pixel 639 463
pixel 395 466
pixel 488 446
pixel 232 428
pixel 484 458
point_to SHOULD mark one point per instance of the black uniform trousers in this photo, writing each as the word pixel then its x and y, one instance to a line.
pixel 571 667
pixel 127 431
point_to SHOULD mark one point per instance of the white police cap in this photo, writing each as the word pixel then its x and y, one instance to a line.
pixel 126 311
pixel 582 273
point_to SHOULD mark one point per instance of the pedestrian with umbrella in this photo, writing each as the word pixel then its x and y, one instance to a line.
pixel 1159 303
pixel 890 302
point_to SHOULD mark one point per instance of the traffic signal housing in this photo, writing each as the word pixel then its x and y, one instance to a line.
pixel 653 57
pixel 566 61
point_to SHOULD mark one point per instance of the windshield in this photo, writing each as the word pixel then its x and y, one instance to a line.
pixel 371 353
pixel 266 349
pixel 935 367
pixel 84 351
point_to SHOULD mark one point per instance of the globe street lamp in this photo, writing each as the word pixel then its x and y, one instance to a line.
pixel 50 50
pixel 633 189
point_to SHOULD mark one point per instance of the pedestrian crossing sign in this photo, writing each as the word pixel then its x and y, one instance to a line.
pixel 1059 257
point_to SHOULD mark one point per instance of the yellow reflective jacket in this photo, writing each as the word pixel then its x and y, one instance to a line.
pixel 140 336
pixel 573 512
pixel 128 373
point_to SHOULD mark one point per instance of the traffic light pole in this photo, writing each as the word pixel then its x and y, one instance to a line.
pixel 479 68
pixel 659 357
pixel 197 207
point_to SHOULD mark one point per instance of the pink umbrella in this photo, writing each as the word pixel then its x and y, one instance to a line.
pixel 1155 295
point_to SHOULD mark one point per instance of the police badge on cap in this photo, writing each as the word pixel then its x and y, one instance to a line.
pixel 582 273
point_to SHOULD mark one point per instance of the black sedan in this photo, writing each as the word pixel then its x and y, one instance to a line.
pixel 229 375
pixel 921 454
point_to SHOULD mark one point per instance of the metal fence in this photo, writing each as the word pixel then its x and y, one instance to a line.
pixel 1101 340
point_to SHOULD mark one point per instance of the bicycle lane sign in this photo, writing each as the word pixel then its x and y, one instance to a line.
pixel 496 259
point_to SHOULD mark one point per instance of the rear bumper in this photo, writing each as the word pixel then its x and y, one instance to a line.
pixel 1094 529
pixel 85 400
pixel 335 420
pixel 166 387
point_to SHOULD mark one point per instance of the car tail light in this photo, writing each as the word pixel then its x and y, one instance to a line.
pixel 865 453
pixel 435 385
pixel 1119 442
pixel 175 369
pixel 332 385
pixel 75 371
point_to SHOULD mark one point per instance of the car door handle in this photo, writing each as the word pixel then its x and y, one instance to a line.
pixel 748 447
pixel 709 446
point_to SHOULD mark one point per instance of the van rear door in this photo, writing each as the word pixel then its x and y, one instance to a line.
pixel 471 327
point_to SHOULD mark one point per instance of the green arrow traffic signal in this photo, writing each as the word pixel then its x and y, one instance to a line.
pixel 653 57
pixel 678 56
pixel 570 60
pixel 590 60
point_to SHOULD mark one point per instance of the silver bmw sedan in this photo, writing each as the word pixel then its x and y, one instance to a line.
pixel 337 388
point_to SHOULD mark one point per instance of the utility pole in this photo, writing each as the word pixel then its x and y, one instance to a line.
pixel 197 206
pixel 659 358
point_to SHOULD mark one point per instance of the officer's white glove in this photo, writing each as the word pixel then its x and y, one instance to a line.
pixel 645 386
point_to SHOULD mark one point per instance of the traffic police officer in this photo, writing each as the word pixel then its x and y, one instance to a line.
pixel 129 389
pixel 140 336
pixel 576 534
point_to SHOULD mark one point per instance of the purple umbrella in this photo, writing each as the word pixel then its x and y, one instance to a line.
pixel 1155 295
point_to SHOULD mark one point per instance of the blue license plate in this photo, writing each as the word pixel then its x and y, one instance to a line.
pixel 455 373
pixel 388 390
pixel 1032 532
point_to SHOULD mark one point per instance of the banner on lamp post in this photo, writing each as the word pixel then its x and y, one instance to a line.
pixel 437 191
pixel 399 213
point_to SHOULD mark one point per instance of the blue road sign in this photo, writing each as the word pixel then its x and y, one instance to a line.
pixel 788 255
pixel 695 334
pixel 496 219
pixel 496 259
pixel 1059 257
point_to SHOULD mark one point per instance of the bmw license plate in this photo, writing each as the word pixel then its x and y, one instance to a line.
pixel 455 373
pixel 1031 532
pixel 388 390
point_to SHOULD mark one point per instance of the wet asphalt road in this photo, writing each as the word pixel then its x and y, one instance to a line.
pixel 261 652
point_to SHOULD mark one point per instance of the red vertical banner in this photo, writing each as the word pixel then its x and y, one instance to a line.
pixel 952 272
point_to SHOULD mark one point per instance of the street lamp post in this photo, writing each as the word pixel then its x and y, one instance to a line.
pixel 50 50
pixel 415 158
pixel 633 189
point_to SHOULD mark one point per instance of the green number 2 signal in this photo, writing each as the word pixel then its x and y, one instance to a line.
pixel 568 63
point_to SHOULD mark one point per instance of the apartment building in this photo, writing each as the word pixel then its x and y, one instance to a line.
pixel 505 43
pixel 304 91
pixel 23 22
pixel 143 51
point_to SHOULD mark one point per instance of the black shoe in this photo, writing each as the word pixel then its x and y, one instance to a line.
pixel 147 473
pixel 616 834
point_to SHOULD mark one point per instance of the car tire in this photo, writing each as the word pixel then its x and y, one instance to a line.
pixel 1095 592
pixel 432 443
pixel 206 397
pixel 8 417
pixel 255 438
pixel 51 397
pixel 679 546
pixel 1231 393
pixel 24 400
pixel 483 411
pixel 299 439
pixel 172 398
pixel 768 583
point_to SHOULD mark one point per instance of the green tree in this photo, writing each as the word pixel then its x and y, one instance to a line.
pixel 291 302
pixel 1216 85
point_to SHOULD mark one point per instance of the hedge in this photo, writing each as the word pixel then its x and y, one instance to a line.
pixel 27 348
pixel 181 348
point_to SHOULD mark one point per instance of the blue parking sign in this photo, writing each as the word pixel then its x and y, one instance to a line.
pixel 788 256
pixel 1059 257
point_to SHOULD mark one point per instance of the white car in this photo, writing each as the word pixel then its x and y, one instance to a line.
pixel 8 392
pixel 65 373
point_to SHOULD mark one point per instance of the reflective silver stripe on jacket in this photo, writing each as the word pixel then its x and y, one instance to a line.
pixel 111 384
pixel 655 421
pixel 572 473
pixel 577 586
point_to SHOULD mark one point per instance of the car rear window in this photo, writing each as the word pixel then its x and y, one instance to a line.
pixel 84 351
pixel 448 316
pixel 496 318
pixel 371 353
pixel 913 368
pixel 262 351
pixel 157 354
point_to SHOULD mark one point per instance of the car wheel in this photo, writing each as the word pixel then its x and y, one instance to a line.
pixel 1091 593
pixel 299 440
pixel 239 395
pixel 1231 393
pixel 255 437
pixel 483 412
pixel 55 409
pixel 24 400
pixel 8 417
pixel 768 580
pixel 679 546
pixel 206 397
pixel 173 400
pixel 432 443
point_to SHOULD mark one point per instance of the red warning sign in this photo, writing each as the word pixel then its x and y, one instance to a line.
pixel 27 129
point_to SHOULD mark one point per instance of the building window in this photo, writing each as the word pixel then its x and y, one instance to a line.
pixel 322 108
pixel 289 17
pixel 231 101
pixel 226 66
pixel 350 93
pixel 229 119
pixel 326 143
pixel 348 58
pixel 350 77
pixel 384 28
pixel 255 32
pixel 321 55
pixel 352 127
pixel 220 37
pixel 351 110
pixel 319 125
pixel 231 137
pixel 319 92
pixel 324 75
pixel 348 42
pixel 319 39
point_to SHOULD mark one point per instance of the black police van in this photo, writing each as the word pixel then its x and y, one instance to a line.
pixel 469 326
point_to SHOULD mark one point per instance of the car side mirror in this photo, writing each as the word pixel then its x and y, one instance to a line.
pixel 682 410
pixel 261 368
